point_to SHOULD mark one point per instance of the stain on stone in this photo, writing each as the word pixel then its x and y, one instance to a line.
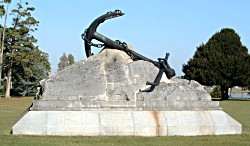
pixel 157 123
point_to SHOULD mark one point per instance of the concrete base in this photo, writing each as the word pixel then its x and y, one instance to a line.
pixel 127 123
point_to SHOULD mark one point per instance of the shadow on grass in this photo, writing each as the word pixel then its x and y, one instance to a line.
pixel 22 96
pixel 239 99
pixel 232 99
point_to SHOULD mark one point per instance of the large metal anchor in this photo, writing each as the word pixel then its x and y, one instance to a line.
pixel 91 33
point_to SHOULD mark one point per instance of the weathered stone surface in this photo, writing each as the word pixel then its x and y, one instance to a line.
pixel 106 76
pixel 111 80
pixel 127 123
pixel 104 96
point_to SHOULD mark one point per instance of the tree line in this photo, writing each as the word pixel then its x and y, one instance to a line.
pixel 22 63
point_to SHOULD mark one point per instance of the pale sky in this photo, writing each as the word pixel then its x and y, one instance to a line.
pixel 152 27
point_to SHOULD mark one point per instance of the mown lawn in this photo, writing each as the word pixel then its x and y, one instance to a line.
pixel 12 109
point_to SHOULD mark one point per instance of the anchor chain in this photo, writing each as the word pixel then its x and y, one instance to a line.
pixel 89 42
pixel 127 50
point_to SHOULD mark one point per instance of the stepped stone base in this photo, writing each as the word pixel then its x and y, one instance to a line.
pixel 127 123
pixel 107 95
pixel 79 105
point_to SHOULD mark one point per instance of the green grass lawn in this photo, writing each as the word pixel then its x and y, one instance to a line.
pixel 12 109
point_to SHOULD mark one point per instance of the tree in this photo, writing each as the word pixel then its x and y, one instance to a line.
pixel 26 79
pixel 21 57
pixel 65 61
pixel 71 59
pixel 222 61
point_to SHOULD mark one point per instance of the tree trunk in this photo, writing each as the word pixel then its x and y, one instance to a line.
pixel 8 84
pixel 224 93
pixel 2 43
pixel 230 94
pixel 242 88
pixel 7 93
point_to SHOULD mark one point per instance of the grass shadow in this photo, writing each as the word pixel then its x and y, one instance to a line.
pixel 239 99
pixel 232 99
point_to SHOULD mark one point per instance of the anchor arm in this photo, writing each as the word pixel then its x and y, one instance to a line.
pixel 90 32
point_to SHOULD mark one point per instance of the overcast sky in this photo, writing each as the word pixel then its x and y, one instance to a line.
pixel 152 27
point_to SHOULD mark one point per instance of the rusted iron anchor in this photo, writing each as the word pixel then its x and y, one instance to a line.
pixel 91 33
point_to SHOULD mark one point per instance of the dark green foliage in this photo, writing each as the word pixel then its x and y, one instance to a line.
pixel 2 10
pixel 26 79
pixel 65 61
pixel 221 61
pixel 2 7
pixel 216 93
pixel 22 57
pixel 71 59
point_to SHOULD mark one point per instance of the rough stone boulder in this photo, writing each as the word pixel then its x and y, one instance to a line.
pixel 111 79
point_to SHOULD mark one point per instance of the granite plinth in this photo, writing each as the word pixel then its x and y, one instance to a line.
pixel 127 123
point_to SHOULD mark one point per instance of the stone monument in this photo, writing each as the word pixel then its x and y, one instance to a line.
pixel 106 95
